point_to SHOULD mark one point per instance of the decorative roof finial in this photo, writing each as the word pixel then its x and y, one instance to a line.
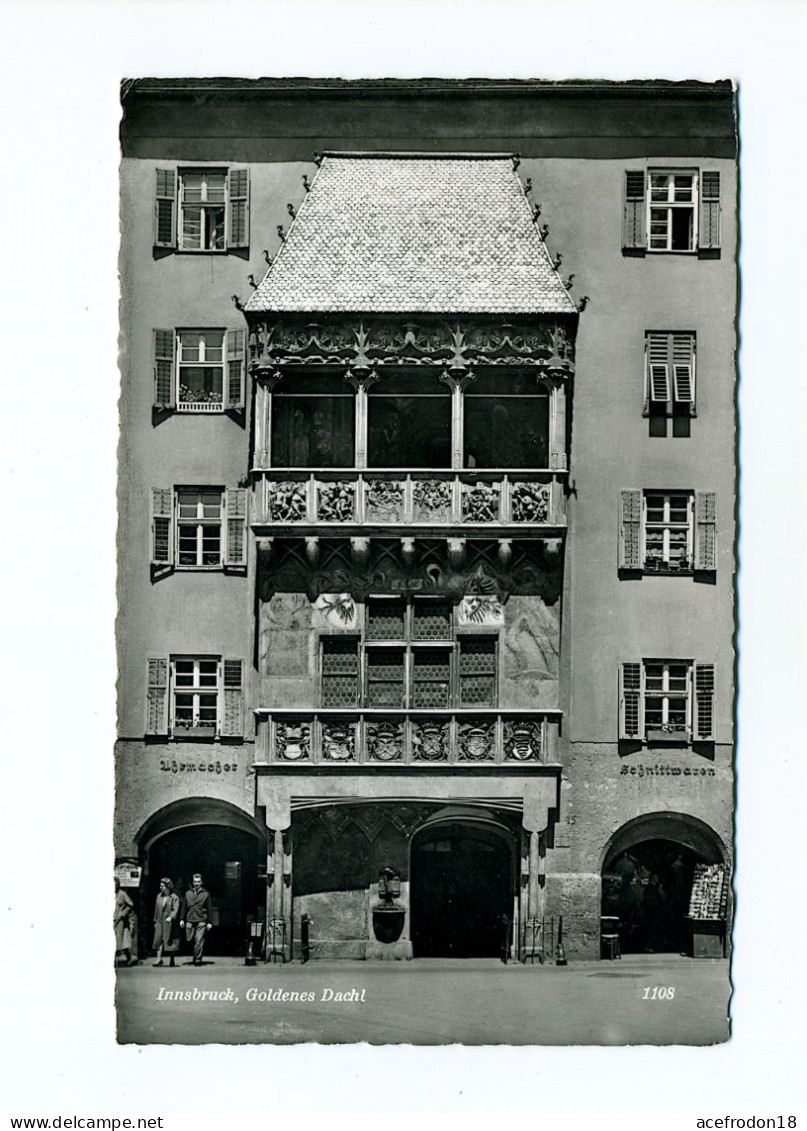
pixel 281 233
pixel 291 210
pixel 556 262
pixel 318 158
pixel 528 186
pixel 251 281
pixel 267 256
pixel 306 182
pixel 583 303
pixel 237 302
pixel 569 283
pixel 544 231
pixel 536 212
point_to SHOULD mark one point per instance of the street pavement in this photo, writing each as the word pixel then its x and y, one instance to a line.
pixel 427 1002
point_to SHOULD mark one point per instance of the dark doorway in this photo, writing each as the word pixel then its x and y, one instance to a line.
pixel 461 892
pixel 648 887
pixel 230 861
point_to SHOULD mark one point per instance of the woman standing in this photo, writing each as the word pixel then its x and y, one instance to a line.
pixel 166 913
pixel 123 925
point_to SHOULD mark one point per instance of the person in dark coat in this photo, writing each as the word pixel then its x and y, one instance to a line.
pixel 195 917
pixel 166 922
pixel 124 908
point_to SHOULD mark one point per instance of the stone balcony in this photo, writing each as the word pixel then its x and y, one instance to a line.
pixel 397 739
pixel 417 502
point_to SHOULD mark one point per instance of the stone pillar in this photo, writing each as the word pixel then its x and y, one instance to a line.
pixel 540 798
pixel 275 798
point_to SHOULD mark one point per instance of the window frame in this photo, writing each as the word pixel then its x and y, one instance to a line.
pixel 197 729
pixel 201 522
pixel 408 645
pixel 667 526
pixel 671 206
pixel 201 362
pixel 203 205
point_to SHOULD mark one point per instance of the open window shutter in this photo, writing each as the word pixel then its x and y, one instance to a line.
pixel 234 398
pixel 703 723
pixel 232 718
pixel 157 695
pixel 235 547
pixel 238 195
pixel 162 527
pixel 165 207
pixel 164 384
pixel 709 226
pixel 705 531
pixel 630 533
pixel 658 369
pixel 633 227
pixel 631 701
pixel 683 351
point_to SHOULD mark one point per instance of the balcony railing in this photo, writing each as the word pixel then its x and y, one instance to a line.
pixel 399 738
pixel 490 499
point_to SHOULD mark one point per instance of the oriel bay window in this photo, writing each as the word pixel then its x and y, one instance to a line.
pixel 409 422
pixel 313 422
pixel 409 656
pixel 506 422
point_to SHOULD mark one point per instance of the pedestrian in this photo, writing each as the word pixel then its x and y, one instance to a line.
pixel 166 922
pixel 195 916
pixel 123 925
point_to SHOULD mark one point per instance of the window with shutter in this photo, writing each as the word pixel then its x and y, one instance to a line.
pixel 236 543
pixel 232 720
pixel 709 233
pixel 630 541
pixel 164 352
pixel 157 695
pixel 238 192
pixel 666 701
pixel 703 727
pixel 631 721
pixel 234 398
pixel 634 236
pixel 162 527
pixel 705 531
pixel 667 532
pixel 165 209
pixel 669 373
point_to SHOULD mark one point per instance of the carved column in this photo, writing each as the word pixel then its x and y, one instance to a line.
pixel 557 427
pixel 266 382
pixel 457 379
pixel 361 381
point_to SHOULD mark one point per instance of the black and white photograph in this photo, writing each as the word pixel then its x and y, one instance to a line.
pixel 426 561
pixel 403 582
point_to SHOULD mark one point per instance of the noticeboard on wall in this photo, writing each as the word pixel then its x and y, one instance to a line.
pixel 709 892
pixel 128 875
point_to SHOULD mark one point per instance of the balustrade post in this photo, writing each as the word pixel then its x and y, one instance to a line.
pixel 557 427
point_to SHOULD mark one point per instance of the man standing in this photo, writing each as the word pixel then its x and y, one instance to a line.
pixel 195 916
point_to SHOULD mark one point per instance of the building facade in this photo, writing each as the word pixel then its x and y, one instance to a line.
pixel 426 563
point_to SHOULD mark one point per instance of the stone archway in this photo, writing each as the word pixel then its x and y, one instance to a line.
pixel 223 843
pixel 647 871
pixel 462 885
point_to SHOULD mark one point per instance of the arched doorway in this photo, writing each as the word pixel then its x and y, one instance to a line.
pixel 647 875
pixel 461 890
pixel 226 846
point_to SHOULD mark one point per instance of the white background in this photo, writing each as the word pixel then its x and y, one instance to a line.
pixel 60 66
